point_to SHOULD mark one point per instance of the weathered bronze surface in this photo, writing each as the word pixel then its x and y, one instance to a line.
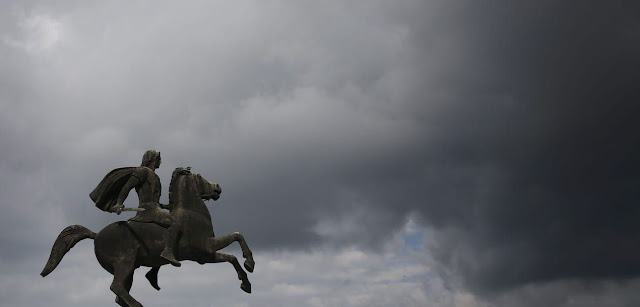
pixel 153 237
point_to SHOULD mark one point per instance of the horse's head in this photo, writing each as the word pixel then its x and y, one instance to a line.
pixel 183 178
pixel 207 189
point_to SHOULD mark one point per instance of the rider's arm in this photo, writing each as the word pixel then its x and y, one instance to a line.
pixel 131 183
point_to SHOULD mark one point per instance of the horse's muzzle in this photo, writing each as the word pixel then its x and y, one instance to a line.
pixel 216 190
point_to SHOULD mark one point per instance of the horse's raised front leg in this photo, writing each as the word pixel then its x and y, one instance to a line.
pixel 217 257
pixel 122 280
pixel 218 243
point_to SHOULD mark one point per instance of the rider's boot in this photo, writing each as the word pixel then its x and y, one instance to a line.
pixel 167 253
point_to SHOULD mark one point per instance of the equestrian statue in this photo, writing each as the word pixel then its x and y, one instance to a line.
pixel 153 237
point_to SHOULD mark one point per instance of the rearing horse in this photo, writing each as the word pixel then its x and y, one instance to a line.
pixel 122 247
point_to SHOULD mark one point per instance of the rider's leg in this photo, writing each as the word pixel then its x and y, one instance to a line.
pixel 170 241
pixel 171 238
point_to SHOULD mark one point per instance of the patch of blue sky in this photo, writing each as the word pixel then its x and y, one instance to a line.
pixel 414 241
pixel 414 237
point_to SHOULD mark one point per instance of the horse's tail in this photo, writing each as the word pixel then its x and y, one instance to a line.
pixel 65 241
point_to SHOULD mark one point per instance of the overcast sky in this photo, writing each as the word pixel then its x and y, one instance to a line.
pixel 373 153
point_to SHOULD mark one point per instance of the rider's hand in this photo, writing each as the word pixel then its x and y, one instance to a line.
pixel 118 208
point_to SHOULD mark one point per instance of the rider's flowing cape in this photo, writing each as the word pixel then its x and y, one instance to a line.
pixel 105 195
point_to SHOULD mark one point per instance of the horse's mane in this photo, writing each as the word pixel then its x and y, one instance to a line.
pixel 176 173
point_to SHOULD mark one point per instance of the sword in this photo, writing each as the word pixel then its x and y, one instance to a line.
pixel 126 209
pixel 132 209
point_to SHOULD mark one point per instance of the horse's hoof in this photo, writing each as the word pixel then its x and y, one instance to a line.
pixel 121 302
pixel 155 285
pixel 246 287
pixel 153 279
pixel 249 264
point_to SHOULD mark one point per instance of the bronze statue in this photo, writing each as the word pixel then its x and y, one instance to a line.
pixel 153 237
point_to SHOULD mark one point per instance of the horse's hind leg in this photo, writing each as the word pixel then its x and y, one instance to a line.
pixel 242 275
pixel 218 243
pixel 122 280
pixel 127 286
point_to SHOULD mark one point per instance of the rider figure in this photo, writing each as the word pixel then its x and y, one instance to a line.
pixel 115 188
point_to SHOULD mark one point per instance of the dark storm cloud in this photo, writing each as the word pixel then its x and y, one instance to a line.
pixel 536 176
